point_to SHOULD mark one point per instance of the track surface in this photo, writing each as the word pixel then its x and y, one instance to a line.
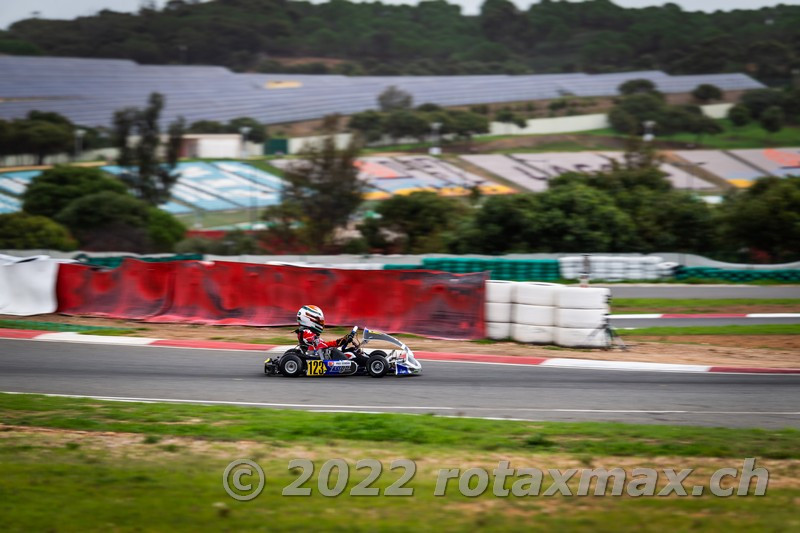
pixel 455 389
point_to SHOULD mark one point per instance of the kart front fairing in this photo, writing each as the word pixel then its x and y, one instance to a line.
pixel 405 364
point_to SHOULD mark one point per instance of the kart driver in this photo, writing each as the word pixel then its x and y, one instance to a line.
pixel 311 322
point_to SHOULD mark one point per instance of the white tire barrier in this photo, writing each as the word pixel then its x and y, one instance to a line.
pixel 612 268
pixel 580 338
pixel 580 318
pixel 533 315
pixel 583 298
pixel 500 291
pixel 532 334
pixel 537 293
pixel 547 313
pixel 28 286
pixel 498 330
pixel 498 312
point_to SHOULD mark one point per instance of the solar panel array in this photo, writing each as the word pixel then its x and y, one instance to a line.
pixel 216 186
pixel 387 176
pixel 88 91
pixel 533 172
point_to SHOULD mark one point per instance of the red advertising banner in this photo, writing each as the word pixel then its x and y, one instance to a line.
pixel 135 290
pixel 436 304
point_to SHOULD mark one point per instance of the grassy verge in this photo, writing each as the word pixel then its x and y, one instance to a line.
pixel 749 136
pixel 239 423
pixel 648 305
pixel 147 479
pixel 49 326
pixel 755 329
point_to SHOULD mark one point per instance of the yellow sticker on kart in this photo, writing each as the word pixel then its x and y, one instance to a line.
pixel 315 368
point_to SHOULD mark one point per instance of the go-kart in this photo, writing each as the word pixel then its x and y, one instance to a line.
pixel 299 361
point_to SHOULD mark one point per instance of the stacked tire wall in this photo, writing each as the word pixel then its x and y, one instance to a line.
pixel 700 273
pixel 543 313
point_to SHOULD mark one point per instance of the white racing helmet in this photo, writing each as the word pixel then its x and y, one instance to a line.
pixel 311 317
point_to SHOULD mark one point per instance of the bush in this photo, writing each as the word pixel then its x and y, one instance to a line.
pixel 109 221
pixel 23 231
pixel 772 119
pixel 739 115
pixel 55 188
pixel 707 93
pixel 163 230
pixel 760 100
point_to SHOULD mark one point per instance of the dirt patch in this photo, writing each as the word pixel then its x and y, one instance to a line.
pixel 771 351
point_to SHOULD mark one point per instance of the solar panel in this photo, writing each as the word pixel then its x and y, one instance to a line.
pixel 89 91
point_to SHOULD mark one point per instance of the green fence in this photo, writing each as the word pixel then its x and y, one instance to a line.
pixel 500 269
pixel 115 261
pixel 684 273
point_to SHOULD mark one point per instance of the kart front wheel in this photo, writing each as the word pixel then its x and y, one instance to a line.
pixel 377 366
pixel 291 366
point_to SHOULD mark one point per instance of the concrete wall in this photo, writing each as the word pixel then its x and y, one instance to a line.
pixel 540 126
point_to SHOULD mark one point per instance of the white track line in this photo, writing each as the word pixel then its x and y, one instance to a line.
pixel 361 408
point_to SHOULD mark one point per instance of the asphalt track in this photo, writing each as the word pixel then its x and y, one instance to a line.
pixel 450 389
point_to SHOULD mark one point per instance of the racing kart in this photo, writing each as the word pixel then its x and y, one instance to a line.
pixel 299 361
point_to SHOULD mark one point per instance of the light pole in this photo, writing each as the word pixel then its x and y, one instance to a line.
pixel 435 149
pixel 79 134
pixel 244 130
pixel 648 130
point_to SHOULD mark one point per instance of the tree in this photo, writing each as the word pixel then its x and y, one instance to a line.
pixel 369 123
pixel 772 119
pixel 110 221
pixel 508 116
pixel 465 124
pixel 637 86
pixel 664 219
pixel 151 179
pixel 23 231
pixel 394 99
pixel 765 217
pixel 257 133
pixel 760 100
pixel 42 138
pixel 55 188
pixel 419 220
pixel 402 123
pixel 322 192
pixel 739 115
pixel 632 111
pixel 577 218
pixel 707 93
pixel 503 224
pixel 164 231
pixel 207 126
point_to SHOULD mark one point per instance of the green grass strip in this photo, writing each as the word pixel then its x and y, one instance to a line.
pixel 623 303
pixel 270 425
pixel 755 329
pixel 48 326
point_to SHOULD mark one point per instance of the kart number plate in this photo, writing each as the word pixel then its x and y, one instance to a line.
pixel 316 368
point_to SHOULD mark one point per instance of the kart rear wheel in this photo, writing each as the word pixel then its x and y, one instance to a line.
pixel 377 365
pixel 290 365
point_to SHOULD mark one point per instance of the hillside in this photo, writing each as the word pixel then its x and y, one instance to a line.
pixel 431 38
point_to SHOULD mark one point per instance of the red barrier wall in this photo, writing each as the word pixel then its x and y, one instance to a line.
pixel 437 304
pixel 135 290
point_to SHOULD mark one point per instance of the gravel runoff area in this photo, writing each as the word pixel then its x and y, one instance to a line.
pixel 769 351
